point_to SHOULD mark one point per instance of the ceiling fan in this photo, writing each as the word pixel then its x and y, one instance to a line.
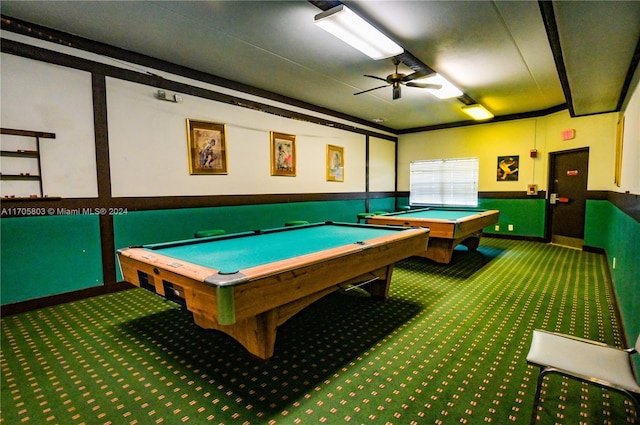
pixel 397 80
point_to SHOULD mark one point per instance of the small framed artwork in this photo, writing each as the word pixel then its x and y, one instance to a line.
pixel 207 147
pixel 619 140
pixel 508 168
pixel 335 163
pixel 283 154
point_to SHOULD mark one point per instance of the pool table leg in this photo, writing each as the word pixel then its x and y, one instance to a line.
pixel 257 334
pixel 472 242
pixel 440 250
pixel 380 288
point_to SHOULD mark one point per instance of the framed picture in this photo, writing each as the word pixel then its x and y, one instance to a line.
pixel 283 154
pixel 335 163
pixel 207 147
pixel 619 140
pixel 508 168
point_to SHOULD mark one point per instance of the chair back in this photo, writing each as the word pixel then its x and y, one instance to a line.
pixel 637 346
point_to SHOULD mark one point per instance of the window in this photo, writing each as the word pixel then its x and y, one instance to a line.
pixel 450 182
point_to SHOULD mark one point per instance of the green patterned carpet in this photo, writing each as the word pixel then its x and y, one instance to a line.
pixel 447 347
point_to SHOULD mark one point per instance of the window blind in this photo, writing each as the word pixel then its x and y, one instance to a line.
pixel 444 182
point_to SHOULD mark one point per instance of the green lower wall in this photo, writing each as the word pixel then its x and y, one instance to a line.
pixel 141 227
pixel 382 204
pixel 526 215
pixel 619 235
pixel 49 255
pixel 52 255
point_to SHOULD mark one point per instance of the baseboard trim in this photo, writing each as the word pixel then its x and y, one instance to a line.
pixel 37 303
pixel 515 237
pixel 594 249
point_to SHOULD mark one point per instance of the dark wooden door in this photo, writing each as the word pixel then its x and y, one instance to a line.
pixel 568 195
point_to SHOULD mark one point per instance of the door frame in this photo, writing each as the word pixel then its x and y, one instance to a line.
pixel 548 230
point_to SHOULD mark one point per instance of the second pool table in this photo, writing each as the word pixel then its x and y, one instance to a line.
pixel 448 227
pixel 248 284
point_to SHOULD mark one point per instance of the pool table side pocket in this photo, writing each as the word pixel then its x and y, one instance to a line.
pixel 186 291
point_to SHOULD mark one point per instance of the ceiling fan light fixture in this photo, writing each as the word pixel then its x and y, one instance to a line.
pixel 447 89
pixel 477 112
pixel 349 27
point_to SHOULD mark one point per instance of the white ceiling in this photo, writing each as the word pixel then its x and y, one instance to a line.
pixel 497 52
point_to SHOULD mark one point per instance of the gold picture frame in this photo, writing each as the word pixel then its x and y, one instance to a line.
pixel 617 178
pixel 207 144
pixel 335 163
pixel 283 154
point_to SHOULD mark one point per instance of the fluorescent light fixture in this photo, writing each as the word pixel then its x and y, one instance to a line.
pixel 343 23
pixel 477 112
pixel 447 89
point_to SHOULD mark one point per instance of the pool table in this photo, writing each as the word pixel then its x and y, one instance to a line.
pixel 448 227
pixel 247 284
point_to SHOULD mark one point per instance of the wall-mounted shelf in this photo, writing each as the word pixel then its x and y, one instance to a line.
pixel 28 154
pixel 30 199
pixel 20 154
pixel 27 177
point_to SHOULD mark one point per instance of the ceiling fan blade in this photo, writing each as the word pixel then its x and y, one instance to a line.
pixel 377 78
pixel 417 74
pixel 424 85
pixel 375 88
pixel 396 91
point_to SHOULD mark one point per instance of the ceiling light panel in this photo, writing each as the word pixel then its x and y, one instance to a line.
pixel 343 23
pixel 447 89
pixel 477 112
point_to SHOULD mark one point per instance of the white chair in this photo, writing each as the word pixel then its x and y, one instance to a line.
pixel 588 361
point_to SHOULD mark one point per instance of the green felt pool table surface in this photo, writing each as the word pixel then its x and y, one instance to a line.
pixel 439 213
pixel 230 254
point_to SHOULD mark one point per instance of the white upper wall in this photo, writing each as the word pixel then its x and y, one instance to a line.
pixel 39 96
pixel 489 141
pixel 149 155
pixel 630 179
pixel 382 169
pixel 598 132
pixel 486 142
pixel 148 140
